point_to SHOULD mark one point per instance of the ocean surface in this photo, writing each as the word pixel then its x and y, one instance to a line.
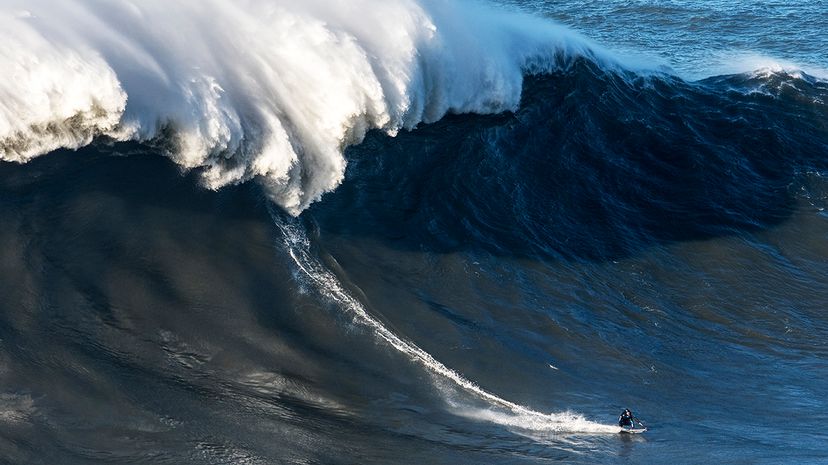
pixel 413 231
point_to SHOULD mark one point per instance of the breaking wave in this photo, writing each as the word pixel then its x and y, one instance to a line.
pixel 272 91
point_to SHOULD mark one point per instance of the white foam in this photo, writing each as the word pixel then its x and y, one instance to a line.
pixel 742 62
pixel 529 421
pixel 496 410
pixel 51 96
pixel 266 89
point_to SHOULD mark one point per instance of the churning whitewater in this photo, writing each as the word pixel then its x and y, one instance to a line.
pixel 264 90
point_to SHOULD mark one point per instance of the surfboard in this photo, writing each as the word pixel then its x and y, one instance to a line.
pixel 633 430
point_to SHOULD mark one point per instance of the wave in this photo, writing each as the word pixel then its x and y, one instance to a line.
pixel 258 89
pixel 593 165
pixel 760 64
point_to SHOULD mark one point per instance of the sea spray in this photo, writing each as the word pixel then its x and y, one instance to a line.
pixel 257 89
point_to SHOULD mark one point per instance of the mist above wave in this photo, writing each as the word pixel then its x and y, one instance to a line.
pixel 255 89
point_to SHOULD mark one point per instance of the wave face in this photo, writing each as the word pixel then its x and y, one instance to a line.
pixel 266 90
pixel 641 160
pixel 529 235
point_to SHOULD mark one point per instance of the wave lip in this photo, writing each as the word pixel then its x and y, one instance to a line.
pixel 54 96
pixel 262 90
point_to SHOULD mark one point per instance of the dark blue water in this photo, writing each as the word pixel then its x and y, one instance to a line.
pixel 482 289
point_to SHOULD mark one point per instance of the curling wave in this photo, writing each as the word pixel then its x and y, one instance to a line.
pixel 272 91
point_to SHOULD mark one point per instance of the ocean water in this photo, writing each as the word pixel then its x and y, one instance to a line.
pixel 413 231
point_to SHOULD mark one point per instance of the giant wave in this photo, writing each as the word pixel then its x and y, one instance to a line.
pixel 272 91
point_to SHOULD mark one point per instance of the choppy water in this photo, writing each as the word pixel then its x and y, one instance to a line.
pixel 574 224
pixel 701 38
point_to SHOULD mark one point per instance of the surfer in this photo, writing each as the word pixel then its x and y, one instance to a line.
pixel 626 419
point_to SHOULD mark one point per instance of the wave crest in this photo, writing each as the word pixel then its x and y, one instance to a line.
pixel 268 90
pixel 53 96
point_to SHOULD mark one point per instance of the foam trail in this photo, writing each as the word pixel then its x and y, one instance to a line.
pixel 503 412
pixel 272 90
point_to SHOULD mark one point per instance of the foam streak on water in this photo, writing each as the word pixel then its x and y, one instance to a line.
pixel 500 411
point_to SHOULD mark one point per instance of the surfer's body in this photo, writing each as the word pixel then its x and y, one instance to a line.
pixel 627 422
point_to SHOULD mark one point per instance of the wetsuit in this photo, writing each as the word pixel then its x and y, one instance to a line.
pixel 626 420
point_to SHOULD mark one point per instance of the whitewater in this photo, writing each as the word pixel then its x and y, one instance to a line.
pixel 272 91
